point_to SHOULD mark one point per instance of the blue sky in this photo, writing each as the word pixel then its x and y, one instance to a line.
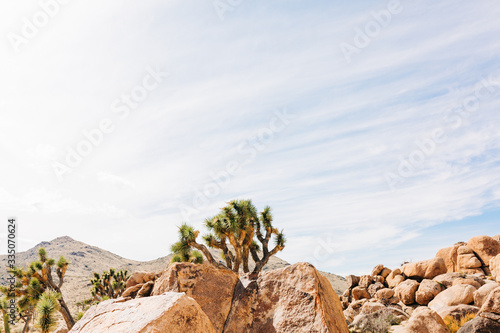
pixel 371 128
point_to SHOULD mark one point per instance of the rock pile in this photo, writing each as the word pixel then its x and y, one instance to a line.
pixel 201 298
pixel 461 279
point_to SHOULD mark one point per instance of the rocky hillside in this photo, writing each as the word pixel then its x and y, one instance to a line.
pixel 86 259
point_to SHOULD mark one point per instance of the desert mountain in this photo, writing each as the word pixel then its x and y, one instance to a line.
pixel 86 259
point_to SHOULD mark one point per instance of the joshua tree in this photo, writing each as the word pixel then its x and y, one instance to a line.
pixel 187 240
pixel 4 308
pixel 264 230
pixel 33 282
pixel 46 309
pixel 110 284
pixel 183 253
pixel 233 231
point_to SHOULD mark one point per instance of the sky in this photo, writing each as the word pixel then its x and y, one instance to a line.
pixel 370 128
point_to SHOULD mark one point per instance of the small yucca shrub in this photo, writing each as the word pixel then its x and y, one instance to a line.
pixel 46 308
pixel 454 324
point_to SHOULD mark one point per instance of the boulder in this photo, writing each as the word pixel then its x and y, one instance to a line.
pixel 492 303
pixel 495 267
pixel 458 311
pixel 468 261
pixel 206 284
pixel 425 320
pixel 146 289
pixel 292 299
pixel 389 278
pixel 373 288
pixel 480 325
pixel 385 272
pixel 427 290
pixel 352 281
pixel 447 279
pixel 482 293
pixel 396 281
pixel 405 291
pixel 384 294
pixel 169 313
pixel 449 255
pixel 360 293
pixel 365 281
pixel 371 307
pixel 484 247
pixel 353 310
pixel 455 295
pixel 377 269
pixel 378 279
pixel 140 277
pixel 497 238
pixel 427 269
pixel 133 290
pixel 470 282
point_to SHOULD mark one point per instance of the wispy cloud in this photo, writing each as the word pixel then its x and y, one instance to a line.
pixel 323 175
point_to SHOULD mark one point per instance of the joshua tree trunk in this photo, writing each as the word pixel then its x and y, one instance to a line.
pixel 70 322
pixel 27 320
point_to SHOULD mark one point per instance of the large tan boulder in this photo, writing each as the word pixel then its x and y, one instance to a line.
pixel 167 313
pixel 425 320
pixel 406 290
pixel 133 290
pixel 447 279
pixel 455 295
pixel 365 281
pixel 480 325
pixel 482 293
pixel 495 267
pixel 140 277
pixel 206 284
pixel 467 259
pixel 427 290
pixel 492 304
pixel 292 299
pixel 427 269
pixel 377 269
pixel 352 281
pixel 472 282
pixel 449 255
pixel 485 248
pixel 360 293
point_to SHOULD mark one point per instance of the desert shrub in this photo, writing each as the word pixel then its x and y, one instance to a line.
pixel 454 324
pixel 377 322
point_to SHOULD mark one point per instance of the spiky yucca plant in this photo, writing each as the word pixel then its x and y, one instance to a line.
pixel 110 284
pixel 4 308
pixel 47 307
pixel 234 231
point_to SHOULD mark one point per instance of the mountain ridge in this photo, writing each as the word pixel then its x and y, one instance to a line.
pixel 86 259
